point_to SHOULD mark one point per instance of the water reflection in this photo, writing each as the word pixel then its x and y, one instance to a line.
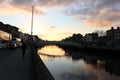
pixel 52 50
pixel 78 66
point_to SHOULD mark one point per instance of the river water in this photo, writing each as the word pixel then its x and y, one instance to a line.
pixel 72 65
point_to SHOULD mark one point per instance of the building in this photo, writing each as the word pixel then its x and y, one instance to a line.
pixel 12 30
pixel 91 39
pixel 9 29
pixel 102 40
pixel 4 36
pixel 113 37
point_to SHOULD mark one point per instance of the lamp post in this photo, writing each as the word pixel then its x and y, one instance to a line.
pixel 32 23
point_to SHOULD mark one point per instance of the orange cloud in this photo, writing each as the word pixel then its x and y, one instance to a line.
pixel 96 13
pixel 8 7
pixel 13 6
pixel 98 23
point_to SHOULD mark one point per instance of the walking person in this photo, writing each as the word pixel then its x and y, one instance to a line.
pixel 23 47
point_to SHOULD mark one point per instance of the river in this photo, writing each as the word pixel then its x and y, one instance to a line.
pixel 73 65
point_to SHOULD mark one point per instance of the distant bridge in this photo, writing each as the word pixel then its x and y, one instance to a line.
pixel 49 55
pixel 61 44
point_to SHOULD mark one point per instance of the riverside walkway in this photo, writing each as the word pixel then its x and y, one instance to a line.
pixel 13 66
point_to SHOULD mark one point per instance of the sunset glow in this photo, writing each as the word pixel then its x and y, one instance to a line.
pixel 54 18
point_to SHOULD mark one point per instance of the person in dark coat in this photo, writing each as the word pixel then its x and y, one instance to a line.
pixel 23 47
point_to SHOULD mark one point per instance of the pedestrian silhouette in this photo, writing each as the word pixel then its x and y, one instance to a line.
pixel 23 47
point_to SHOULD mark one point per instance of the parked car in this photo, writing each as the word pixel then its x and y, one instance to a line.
pixel 7 45
pixel 2 46
pixel 19 44
pixel 13 45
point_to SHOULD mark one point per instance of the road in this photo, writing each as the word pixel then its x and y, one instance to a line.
pixel 14 67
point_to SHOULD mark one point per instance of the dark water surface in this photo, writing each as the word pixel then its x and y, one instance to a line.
pixel 71 65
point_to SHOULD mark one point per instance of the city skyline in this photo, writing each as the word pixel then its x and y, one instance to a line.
pixel 55 20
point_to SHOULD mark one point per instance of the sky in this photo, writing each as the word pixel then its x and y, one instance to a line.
pixel 58 19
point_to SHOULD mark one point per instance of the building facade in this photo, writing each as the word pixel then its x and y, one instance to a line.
pixel 5 36
pixel 9 29
pixel 91 39
pixel 113 37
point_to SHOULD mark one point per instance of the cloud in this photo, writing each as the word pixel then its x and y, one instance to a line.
pixel 1 1
pixel 56 2
pixel 14 6
pixel 49 28
pixel 95 13
pixel 25 5
pixel 98 23
pixel 55 36
pixel 101 13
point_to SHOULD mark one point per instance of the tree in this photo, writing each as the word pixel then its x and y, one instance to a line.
pixel 100 32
